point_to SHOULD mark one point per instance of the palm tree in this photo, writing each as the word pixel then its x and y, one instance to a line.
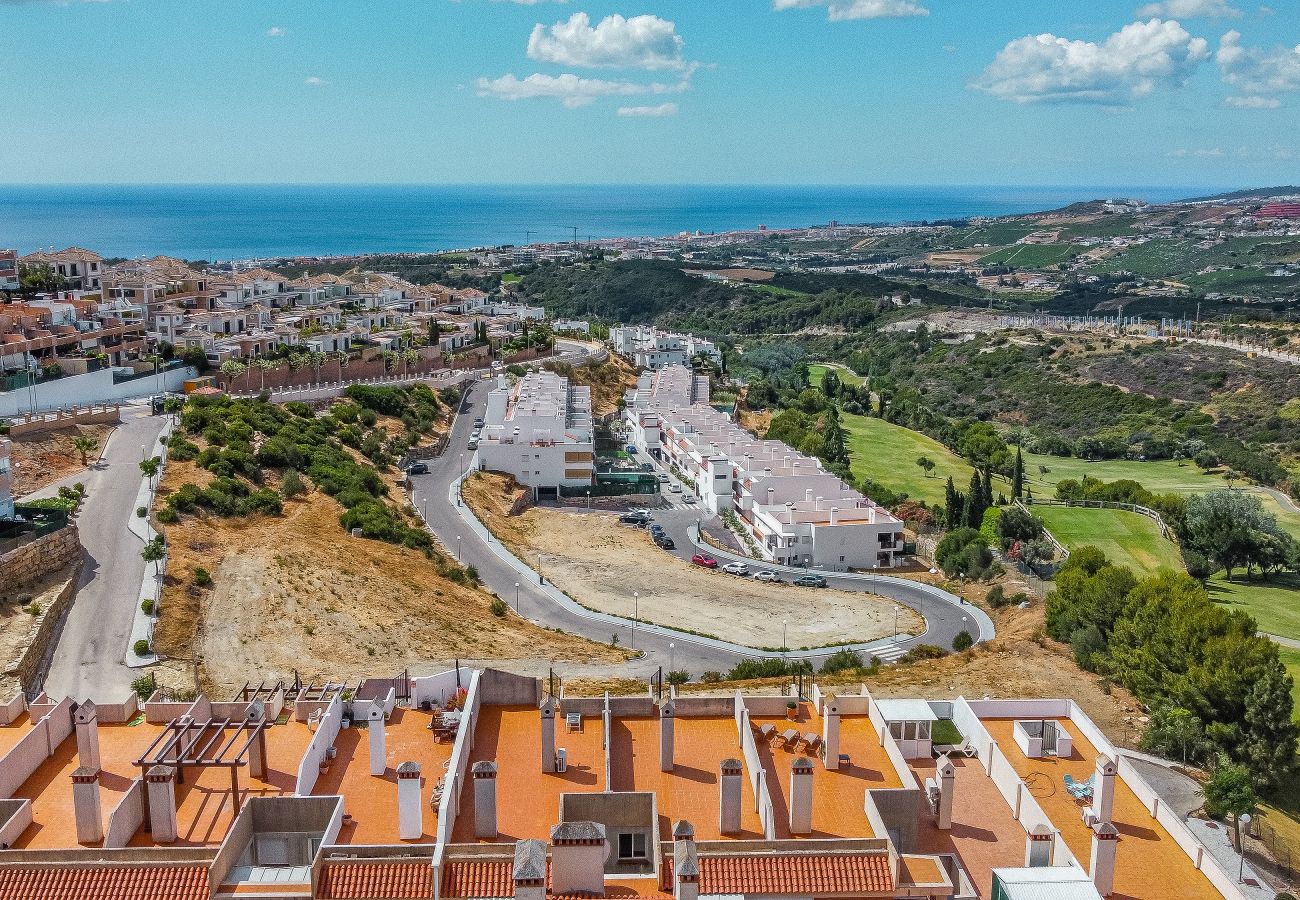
pixel 83 445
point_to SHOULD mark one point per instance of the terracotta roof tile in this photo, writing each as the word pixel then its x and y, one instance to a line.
pixel 125 882
pixel 407 878
pixel 478 878
pixel 796 873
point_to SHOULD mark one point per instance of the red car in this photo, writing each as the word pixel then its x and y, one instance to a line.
pixel 701 559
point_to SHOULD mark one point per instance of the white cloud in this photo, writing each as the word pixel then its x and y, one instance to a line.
pixel 641 42
pixel 653 112
pixel 573 91
pixel 1258 74
pixel 1189 9
pixel 1253 102
pixel 850 10
pixel 1131 63
pixel 315 81
pixel 275 31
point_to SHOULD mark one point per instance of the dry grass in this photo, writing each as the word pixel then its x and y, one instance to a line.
pixel 49 456
pixel 608 381
pixel 296 593
pixel 601 564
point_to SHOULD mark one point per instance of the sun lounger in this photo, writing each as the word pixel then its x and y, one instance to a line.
pixel 766 732
pixel 790 737
pixel 1079 790
pixel 811 741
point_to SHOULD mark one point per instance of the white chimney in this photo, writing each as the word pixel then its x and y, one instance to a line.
pixel 831 734
pixel 1038 847
pixel 947 777
pixel 86 721
pixel 686 863
pixel 256 712
pixel 1103 788
pixel 484 773
pixel 729 787
pixel 1105 843
pixel 85 805
pixel 159 783
pixel 807 496
pixel 529 873
pixel 410 811
pixel 578 851
pixel 801 796
pixel 548 735
pixel 378 738
pixel 667 736
pixel 819 503
pixel 835 515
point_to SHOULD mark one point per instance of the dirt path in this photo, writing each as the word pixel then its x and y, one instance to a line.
pixel 602 565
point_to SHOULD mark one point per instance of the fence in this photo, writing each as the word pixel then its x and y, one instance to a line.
pixel 1165 531
pixel 612 489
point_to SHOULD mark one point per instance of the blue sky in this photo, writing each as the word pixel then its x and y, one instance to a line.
pixel 1102 92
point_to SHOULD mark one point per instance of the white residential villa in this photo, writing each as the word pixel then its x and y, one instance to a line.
pixel 651 348
pixel 6 481
pixel 797 512
pixel 540 431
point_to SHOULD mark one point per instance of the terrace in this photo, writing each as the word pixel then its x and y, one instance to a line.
pixel 1149 864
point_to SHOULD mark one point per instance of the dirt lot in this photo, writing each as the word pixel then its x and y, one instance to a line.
pixel 48 456
pixel 297 593
pixel 600 564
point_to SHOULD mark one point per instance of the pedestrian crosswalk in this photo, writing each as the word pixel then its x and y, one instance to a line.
pixel 888 653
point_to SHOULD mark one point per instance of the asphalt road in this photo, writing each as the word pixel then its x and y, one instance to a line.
pixel 87 660
pixel 945 615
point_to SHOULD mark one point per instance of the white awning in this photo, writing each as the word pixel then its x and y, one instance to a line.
pixel 906 711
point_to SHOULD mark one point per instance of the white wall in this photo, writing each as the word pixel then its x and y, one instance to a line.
pixel 326 732
pixel 93 387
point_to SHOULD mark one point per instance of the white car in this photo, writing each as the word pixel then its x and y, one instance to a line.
pixel 736 569
pixel 689 498
pixel 674 488
pixel 766 575
pixel 662 478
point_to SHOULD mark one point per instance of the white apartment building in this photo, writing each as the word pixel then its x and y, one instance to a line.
pixel 539 430
pixel 797 513
pixel 9 280
pixel 651 348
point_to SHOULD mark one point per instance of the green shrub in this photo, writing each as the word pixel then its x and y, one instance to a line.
pixel 711 677
pixel 767 668
pixel 499 607
pixel 843 660
pixel 141 647
pixel 141 512
pixel 922 652
pixel 963 641
pixel 679 676
pixel 202 578
pixel 168 516
pixel 146 606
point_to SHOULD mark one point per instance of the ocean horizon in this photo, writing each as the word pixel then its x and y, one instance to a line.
pixel 224 222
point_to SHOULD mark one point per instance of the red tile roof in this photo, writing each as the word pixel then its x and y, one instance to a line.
pixel 478 878
pixel 126 882
pixel 406 878
pixel 796 873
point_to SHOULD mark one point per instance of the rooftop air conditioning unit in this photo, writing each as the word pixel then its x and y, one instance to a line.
pixel 561 760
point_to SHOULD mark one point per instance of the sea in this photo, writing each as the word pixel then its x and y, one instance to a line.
pixel 240 222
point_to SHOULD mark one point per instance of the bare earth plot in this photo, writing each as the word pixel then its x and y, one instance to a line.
pixel 601 565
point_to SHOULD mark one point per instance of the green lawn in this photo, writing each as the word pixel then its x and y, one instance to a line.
pixel 818 371
pixel 888 453
pixel 1161 476
pixel 1291 659
pixel 1275 603
pixel 1127 539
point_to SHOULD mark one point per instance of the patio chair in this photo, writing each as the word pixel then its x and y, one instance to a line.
pixel 790 738
pixel 812 742
pixel 1079 790
pixel 966 749
pixel 573 721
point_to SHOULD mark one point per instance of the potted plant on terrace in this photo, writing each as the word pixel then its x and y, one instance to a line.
pixel 791 710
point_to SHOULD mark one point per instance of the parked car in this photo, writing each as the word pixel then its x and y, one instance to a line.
pixel 647 467
pixel 674 488
pixel 634 518
pixel 656 530
pixel 703 559
pixel 736 569
pixel 666 543
pixel 689 498
pixel 478 421
pixel 418 468
pixel 766 575
pixel 810 581
pixel 473 443
pixel 663 479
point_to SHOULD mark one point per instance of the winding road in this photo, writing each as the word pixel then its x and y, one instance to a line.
pixel 436 496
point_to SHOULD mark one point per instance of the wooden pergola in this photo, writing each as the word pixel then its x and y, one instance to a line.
pixel 218 743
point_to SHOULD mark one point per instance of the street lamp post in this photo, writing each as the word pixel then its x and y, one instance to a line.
pixel 517 598
pixel 636 614
pixel 462 472
pixel 896 611
pixel 588 501
pixel 672 656
pixel 785 626
pixel 457 548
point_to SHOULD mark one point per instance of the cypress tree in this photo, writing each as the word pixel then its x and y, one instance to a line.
pixel 973 511
pixel 986 489
pixel 1018 476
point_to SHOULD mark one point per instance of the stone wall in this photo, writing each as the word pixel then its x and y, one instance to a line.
pixel 27 670
pixel 33 561
pixel 30 424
